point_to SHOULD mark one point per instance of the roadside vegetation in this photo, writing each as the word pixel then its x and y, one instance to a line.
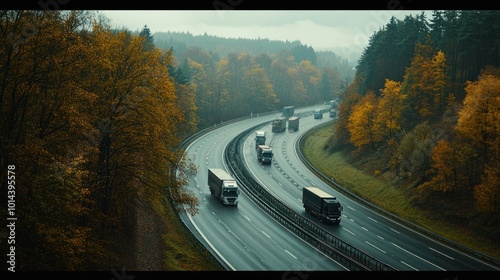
pixel 356 174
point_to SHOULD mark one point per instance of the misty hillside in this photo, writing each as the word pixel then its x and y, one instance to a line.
pixel 180 42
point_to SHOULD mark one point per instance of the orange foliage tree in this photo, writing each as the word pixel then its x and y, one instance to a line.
pixel 361 123
pixel 479 122
pixel 425 83
pixel 44 135
pixel 390 108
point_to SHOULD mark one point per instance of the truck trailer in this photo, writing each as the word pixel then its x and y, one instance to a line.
pixel 322 205
pixel 293 124
pixel 264 154
pixel 260 138
pixel 279 125
pixel 223 186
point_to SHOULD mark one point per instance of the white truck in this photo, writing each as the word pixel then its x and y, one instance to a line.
pixel 293 124
pixel 260 138
pixel 223 186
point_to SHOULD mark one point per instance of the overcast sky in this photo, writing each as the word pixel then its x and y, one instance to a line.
pixel 342 31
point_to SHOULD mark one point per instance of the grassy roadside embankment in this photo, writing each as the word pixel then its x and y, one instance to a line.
pixel 381 193
pixel 182 251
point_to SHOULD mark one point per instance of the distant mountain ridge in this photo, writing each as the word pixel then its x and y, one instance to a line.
pixel 180 42
pixel 223 46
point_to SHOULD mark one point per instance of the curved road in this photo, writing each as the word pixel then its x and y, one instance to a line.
pixel 245 238
pixel 384 239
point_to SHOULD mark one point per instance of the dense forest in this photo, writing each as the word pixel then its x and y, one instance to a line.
pixel 424 108
pixel 93 118
pixel 91 123
pixel 245 76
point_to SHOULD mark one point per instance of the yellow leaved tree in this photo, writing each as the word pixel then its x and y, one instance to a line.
pixel 479 122
pixel 361 124
pixel 390 108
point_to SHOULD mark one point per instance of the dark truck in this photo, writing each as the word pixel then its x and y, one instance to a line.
pixel 223 186
pixel 333 113
pixel 318 114
pixel 293 124
pixel 279 125
pixel 322 205
pixel 264 154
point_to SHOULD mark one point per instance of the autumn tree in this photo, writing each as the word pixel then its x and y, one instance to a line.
pixel 413 158
pixel 340 132
pixel 453 169
pixel 389 113
pixel 425 84
pixel 479 123
pixel 361 123
pixel 311 79
pixel 45 136
pixel 260 96
pixel 138 121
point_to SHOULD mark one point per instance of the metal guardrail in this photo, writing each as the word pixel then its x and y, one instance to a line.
pixel 343 252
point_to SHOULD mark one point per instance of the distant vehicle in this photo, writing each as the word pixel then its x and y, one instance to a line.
pixel 293 124
pixel 321 204
pixel 288 111
pixel 260 138
pixel 333 113
pixel 318 114
pixel 279 125
pixel 333 104
pixel 223 186
pixel 264 154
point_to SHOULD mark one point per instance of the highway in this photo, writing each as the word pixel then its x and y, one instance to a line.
pixel 245 238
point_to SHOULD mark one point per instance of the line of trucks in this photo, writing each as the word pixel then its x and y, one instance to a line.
pixel 264 152
pixel 280 124
pixel 315 201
